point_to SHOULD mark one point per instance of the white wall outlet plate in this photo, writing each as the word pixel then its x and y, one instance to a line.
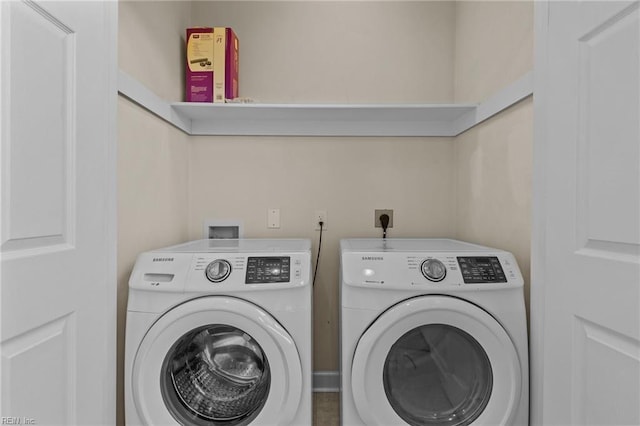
pixel 380 212
pixel 318 216
pixel 273 218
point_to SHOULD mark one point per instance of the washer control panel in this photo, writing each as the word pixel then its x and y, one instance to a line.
pixel 214 272
pixel 206 267
pixel 481 269
pixel 268 269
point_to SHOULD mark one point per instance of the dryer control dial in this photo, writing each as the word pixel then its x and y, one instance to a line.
pixel 218 270
pixel 433 270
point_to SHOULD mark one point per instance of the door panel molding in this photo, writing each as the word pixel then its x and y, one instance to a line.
pixel 607 125
pixel 38 349
pixel 592 344
pixel 39 197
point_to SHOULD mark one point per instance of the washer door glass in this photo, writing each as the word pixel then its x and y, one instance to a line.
pixel 437 374
pixel 215 375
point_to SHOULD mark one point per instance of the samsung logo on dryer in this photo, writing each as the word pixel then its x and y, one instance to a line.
pixel 372 258
pixel 163 259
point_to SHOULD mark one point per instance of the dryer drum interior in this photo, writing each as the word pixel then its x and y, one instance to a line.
pixel 437 374
pixel 215 374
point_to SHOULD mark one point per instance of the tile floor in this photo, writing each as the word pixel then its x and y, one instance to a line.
pixel 326 409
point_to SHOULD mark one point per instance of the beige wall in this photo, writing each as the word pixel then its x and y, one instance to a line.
pixel 151 44
pixel 493 46
pixel 493 161
pixel 344 52
pixel 493 180
pixel 475 186
pixel 152 155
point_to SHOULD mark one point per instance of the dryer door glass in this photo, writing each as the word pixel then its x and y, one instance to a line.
pixel 215 375
pixel 437 374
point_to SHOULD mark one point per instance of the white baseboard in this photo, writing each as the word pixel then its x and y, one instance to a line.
pixel 326 381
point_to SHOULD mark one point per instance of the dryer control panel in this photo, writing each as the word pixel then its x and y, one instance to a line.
pixel 430 270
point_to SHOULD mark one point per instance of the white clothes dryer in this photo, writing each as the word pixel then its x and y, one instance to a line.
pixel 219 333
pixel 433 332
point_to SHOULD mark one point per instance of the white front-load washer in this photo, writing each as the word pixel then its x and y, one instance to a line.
pixel 219 333
pixel 433 332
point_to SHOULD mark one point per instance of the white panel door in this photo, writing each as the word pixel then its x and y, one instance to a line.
pixel 57 129
pixel 586 282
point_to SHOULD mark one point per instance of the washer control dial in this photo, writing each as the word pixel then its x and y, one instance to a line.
pixel 433 270
pixel 218 270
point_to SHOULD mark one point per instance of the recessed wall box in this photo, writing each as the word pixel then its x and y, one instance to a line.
pixel 222 229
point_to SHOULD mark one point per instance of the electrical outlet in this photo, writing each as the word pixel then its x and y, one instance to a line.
pixel 376 218
pixel 320 216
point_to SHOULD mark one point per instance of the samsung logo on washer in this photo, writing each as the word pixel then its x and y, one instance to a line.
pixel 372 258
pixel 163 259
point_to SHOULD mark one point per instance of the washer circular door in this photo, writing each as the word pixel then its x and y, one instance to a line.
pixel 217 361
pixel 435 360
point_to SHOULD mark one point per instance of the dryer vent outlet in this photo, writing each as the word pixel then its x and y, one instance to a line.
pixel 380 212
pixel 222 229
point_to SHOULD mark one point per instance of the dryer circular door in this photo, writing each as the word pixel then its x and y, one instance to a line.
pixel 436 360
pixel 217 361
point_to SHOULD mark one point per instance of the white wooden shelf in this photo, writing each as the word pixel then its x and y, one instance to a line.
pixel 322 120
pixel 325 119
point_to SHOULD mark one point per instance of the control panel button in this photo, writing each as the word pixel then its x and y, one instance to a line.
pixel 433 270
pixel 218 270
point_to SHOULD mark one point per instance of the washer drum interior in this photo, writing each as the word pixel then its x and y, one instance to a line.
pixel 215 375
